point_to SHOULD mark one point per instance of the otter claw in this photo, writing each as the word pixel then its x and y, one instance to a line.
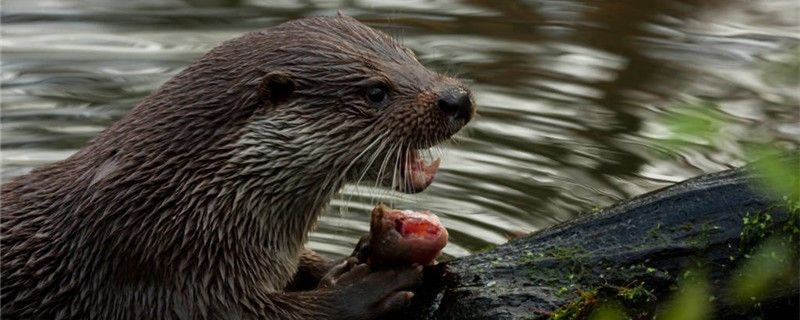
pixel 360 293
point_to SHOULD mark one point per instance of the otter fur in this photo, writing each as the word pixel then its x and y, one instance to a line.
pixel 198 203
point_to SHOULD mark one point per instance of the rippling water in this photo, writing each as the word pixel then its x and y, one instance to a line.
pixel 569 92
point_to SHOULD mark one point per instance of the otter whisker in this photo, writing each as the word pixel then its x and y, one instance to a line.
pixel 402 164
pixel 379 179
pixel 343 175
pixel 373 157
pixel 366 169
pixel 396 165
pixel 392 160
pixel 406 167
pixel 379 175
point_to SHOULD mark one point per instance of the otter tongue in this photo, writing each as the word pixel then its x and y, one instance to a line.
pixel 420 174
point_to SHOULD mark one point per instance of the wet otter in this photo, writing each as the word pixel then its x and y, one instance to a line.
pixel 196 205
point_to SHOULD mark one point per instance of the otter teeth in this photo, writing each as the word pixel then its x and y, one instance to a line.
pixel 424 173
pixel 419 174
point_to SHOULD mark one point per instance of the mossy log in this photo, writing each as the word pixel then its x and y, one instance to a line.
pixel 644 244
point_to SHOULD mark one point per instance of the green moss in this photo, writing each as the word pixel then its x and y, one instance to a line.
pixel 530 257
pixel 755 227
pixel 686 227
pixel 792 226
pixel 580 308
pixel 488 247
pixel 760 225
pixel 575 271
pixel 639 270
pixel 559 253
pixel 636 295
pixel 703 238
pixel 655 232
pixel 548 276
pixel 768 248
pixel 497 262
pixel 564 253
pixel 636 300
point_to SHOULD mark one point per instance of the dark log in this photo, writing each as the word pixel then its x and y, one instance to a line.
pixel 649 241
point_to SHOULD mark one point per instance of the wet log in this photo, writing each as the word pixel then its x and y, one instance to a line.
pixel 646 243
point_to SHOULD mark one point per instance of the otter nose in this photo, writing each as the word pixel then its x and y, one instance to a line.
pixel 456 104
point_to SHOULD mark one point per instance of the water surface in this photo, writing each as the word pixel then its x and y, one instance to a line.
pixel 570 93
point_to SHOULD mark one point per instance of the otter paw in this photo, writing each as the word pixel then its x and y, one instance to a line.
pixel 335 273
pixel 362 249
pixel 360 293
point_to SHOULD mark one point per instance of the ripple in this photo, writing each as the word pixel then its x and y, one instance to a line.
pixel 569 96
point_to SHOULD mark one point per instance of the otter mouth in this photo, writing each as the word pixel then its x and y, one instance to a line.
pixel 416 174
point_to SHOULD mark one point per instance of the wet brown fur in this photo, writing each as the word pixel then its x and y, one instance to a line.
pixel 196 205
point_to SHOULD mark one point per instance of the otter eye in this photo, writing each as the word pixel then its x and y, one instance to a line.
pixel 376 94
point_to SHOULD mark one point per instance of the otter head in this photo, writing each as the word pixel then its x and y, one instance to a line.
pixel 344 102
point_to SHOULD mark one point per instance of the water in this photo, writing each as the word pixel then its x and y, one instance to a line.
pixel 570 93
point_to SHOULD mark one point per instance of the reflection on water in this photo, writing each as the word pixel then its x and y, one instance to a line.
pixel 569 92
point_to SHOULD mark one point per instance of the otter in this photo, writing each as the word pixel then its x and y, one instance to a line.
pixel 198 203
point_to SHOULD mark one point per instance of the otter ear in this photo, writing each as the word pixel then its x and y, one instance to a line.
pixel 277 86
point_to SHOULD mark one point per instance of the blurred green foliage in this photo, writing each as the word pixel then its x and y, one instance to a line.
pixel 770 249
pixel 771 267
pixel 773 263
pixel 695 124
pixel 692 299
pixel 769 259
pixel 783 69
pixel 779 173
pixel 609 311
pixel 692 124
